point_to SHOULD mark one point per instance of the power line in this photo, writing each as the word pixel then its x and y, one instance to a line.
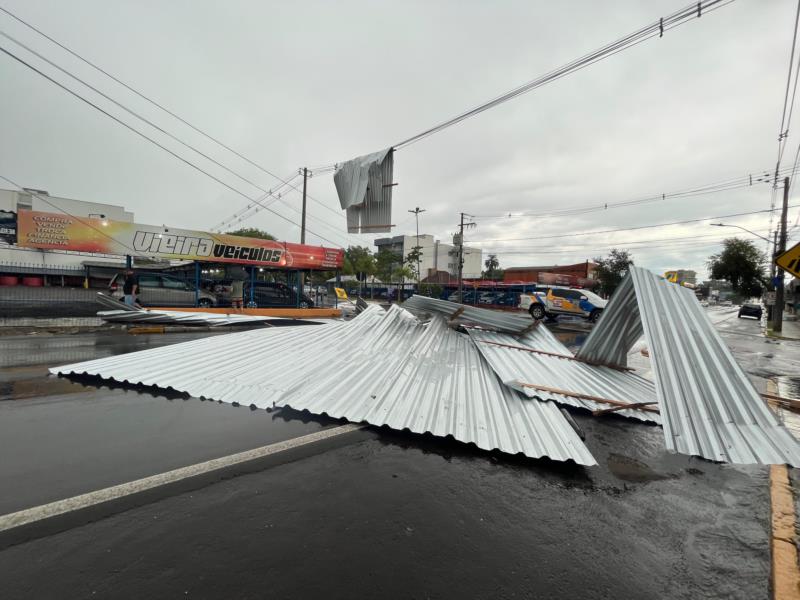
pixel 151 140
pixel 141 95
pixel 141 118
pixel 284 181
pixel 576 233
pixel 69 214
pixel 654 29
pixel 680 240
pixel 726 185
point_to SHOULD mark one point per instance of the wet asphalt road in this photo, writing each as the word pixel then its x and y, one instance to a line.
pixel 381 514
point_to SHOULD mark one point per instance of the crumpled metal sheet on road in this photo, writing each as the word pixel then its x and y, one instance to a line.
pixel 708 405
pixel 395 372
pixel 507 322
pixel 516 365
pixel 122 313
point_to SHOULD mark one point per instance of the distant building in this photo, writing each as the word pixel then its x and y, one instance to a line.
pixel 434 255
pixel 12 201
pixel 584 270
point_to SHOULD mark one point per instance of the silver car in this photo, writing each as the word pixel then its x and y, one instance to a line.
pixel 157 289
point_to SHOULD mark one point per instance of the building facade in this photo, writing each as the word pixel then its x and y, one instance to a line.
pixel 583 270
pixel 12 201
pixel 434 255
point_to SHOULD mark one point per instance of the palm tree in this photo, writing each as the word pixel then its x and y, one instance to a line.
pixel 491 264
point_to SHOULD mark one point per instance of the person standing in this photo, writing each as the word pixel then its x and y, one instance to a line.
pixel 130 288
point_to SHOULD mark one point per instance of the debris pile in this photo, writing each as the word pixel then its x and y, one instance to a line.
pixel 488 378
pixel 122 313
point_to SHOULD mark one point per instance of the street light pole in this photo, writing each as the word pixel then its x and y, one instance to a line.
pixel 742 228
pixel 416 212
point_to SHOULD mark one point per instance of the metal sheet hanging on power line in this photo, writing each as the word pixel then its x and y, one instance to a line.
pixel 364 185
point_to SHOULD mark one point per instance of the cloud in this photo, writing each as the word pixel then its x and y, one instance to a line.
pixel 290 87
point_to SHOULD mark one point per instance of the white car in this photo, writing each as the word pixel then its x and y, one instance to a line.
pixel 551 302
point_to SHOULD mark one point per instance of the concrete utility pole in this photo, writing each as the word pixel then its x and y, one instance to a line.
pixel 416 212
pixel 772 268
pixel 777 311
pixel 303 220
pixel 461 256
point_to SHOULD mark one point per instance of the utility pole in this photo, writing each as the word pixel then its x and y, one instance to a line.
pixel 777 311
pixel 772 268
pixel 461 256
pixel 301 280
pixel 416 212
pixel 303 220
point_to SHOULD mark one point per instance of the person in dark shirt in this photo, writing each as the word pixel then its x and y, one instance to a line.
pixel 130 288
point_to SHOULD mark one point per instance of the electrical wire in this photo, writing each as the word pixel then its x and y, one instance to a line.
pixel 285 181
pixel 151 140
pixel 654 29
pixel 725 185
pixel 577 233
pixel 680 240
pixel 69 214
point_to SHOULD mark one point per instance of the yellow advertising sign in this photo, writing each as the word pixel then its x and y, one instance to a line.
pixel 340 293
pixel 64 232
pixel 789 261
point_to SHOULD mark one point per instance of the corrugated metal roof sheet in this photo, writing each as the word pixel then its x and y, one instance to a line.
pixel 708 405
pixel 495 320
pixel 383 368
pixel 521 369
pixel 122 313
pixel 174 317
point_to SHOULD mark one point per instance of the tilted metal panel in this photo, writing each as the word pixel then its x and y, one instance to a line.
pixel 395 372
pixel 517 367
pixel 495 320
pixel 708 405
pixel 617 330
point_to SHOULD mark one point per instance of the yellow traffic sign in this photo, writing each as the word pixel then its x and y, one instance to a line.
pixel 340 293
pixel 789 261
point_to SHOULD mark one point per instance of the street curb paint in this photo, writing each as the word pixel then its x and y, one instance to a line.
pixel 784 572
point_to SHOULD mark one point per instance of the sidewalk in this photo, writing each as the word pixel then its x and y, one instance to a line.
pixel 791 331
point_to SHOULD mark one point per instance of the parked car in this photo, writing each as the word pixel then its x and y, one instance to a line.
pixel 552 302
pixel 267 294
pixel 157 289
pixel 750 310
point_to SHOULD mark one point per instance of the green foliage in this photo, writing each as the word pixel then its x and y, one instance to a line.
pixel 741 263
pixel 252 232
pixel 412 261
pixel 434 290
pixel 493 270
pixel 386 262
pixel 358 259
pixel 612 269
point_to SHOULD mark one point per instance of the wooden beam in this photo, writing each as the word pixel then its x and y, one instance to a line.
pixel 604 411
pixel 557 355
pixel 552 390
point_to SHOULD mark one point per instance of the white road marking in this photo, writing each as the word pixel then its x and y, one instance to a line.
pixel 60 507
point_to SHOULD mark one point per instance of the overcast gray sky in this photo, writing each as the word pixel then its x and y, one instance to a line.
pixel 291 84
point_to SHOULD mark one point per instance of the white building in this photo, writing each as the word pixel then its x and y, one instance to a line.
pixel 39 200
pixel 435 256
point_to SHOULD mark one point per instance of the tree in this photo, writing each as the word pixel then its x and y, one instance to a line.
pixel 358 259
pixel 493 270
pixel 252 232
pixel 412 260
pixel 386 262
pixel 741 263
pixel 611 270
